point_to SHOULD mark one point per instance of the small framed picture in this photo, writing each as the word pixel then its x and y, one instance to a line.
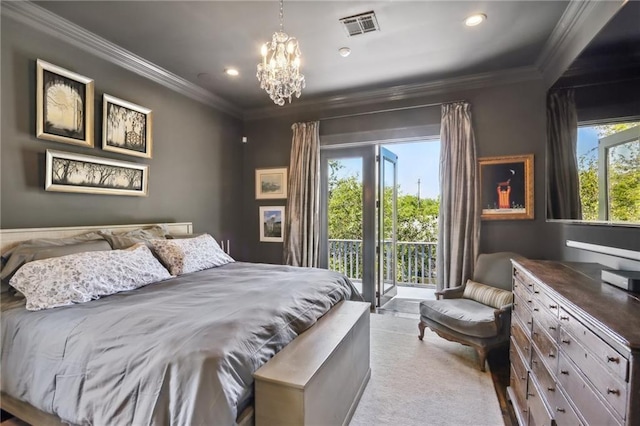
pixel 126 127
pixel 506 187
pixel 69 172
pixel 271 183
pixel 64 105
pixel 271 224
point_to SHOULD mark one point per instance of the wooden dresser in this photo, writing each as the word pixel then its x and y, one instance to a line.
pixel 575 347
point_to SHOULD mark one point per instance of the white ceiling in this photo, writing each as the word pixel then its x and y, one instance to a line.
pixel 419 41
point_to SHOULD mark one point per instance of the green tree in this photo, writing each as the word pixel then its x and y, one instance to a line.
pixel 623 178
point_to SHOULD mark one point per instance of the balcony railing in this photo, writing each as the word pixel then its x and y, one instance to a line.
pixel 416 261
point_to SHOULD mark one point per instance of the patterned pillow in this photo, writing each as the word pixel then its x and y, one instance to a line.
pixel 487 295
pixel 182 256
pixel 81 277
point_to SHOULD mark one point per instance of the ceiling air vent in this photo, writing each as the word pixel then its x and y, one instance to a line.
pixel 360 24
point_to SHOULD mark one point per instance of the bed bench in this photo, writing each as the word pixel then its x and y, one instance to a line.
pixel 319 377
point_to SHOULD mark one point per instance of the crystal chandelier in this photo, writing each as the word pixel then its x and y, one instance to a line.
pixel 279 72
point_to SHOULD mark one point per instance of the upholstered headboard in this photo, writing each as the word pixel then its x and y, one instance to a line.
pixel 11 237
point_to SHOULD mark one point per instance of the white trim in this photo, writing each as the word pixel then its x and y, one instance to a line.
pixel 611 251
pixel 399 92
pixel 48 22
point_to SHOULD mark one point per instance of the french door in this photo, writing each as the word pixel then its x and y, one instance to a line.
pixel 358 218
pixel 387 225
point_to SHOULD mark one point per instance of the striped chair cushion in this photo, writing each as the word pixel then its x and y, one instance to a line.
pixel 487 295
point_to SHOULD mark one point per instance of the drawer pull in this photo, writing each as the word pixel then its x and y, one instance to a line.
pixel 536 291
pixel 529 322
pixel 566 341
pixel 613 359
pixel 560 410
pixel 515 303
pixel 563 318
pixel 523 377
pixel 613 391
pixel 551 355
pixel 553 306
pixel 566 372
pixel 550 389
pixel 529 301
pixel 536 309
pixel 552 327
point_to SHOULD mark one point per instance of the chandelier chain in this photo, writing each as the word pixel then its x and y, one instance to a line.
pixel 282 16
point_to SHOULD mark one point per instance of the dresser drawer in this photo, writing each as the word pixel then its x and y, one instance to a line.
pixel 521 340
pixel 518 364
pixel 608 356
pixel 563 413
pixel 546 320
pixel 522 310
pixel 521 289
pixel 519 390
pixel 548 348
pixel 524 279
pixel 547 302
pixel 538 410
pixel 584 398
pixel 611 389
pixel 545 379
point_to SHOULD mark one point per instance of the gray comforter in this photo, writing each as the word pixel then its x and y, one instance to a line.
pixel 179 352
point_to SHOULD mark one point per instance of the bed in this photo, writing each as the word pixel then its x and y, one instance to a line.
pixel 181 351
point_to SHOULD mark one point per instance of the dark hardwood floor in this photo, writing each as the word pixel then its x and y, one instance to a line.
pixel 499 365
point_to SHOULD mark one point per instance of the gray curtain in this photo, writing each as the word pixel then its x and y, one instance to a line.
pixel 459 218
pixel 563 184
pixel 302 216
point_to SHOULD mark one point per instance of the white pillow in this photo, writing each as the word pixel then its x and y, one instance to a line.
pixel 191 254
pixel 81 277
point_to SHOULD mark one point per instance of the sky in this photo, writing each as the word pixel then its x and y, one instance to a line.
pixel 416 160
pixel 587 140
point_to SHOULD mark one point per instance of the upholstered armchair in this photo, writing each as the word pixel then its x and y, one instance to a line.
pixel 478 312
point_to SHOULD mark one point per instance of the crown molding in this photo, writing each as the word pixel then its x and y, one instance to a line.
pixel 563 30
pixel 45 21
pixel 398 92
pixel 568 38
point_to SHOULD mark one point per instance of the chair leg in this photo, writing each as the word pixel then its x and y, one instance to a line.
pixel 421 327
pixel 482 354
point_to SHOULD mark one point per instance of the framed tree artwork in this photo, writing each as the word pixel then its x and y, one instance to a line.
pixel 271 183
pixel 506 187
pixel 64 105
pixel 126 127
pixel 68 172
pixel 271 224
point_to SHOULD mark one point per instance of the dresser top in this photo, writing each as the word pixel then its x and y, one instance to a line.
pixel 580 286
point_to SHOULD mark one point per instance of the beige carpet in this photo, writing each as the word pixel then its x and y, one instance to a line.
pixel 433 382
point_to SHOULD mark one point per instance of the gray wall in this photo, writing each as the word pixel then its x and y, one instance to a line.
pixel 195 173
pixel 508 120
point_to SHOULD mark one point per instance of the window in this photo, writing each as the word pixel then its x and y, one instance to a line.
pixel 609 171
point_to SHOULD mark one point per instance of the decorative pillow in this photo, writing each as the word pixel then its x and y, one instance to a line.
pixel 45 248
pixel 127 239
pixel 182 256
pixel 487 295
pixel 81 277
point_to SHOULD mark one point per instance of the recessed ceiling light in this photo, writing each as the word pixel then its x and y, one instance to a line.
pixel 231 71
pixel 474 20
pixel 344 51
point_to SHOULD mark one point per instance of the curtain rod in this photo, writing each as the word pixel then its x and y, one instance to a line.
pixel 334 117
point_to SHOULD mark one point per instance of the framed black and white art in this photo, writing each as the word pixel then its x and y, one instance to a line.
pixel 64 105
pixel 69 172
pixel 126 127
